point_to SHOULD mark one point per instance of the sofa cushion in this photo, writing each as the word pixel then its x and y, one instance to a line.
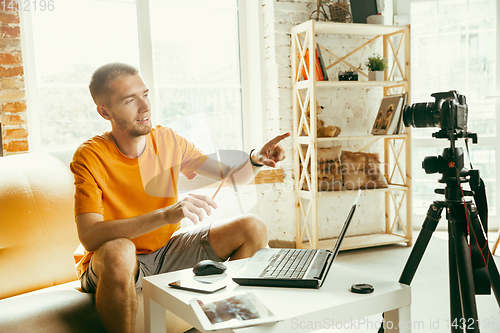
pixel 57 311
pixel 37 225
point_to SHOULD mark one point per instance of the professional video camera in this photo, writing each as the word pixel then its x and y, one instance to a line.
pixel 448 112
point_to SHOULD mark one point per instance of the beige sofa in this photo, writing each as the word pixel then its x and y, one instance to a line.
pixel 38 287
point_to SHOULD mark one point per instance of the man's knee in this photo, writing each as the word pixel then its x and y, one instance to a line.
pixel 253 227
pixel 116 259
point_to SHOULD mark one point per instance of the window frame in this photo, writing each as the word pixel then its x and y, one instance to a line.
pixel 251 70
pixel 252 74
pixel 28 51
pixel 496 220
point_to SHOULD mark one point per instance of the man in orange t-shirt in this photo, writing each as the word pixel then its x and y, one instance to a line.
pixel 126 204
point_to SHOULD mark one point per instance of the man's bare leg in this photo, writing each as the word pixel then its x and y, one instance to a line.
pixel 115 263
pixel 238 238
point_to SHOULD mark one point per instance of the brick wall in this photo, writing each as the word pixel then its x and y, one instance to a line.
pixel 12 89
pixel 276 202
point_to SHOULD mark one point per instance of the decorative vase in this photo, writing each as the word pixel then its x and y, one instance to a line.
pixel 376 76
pixel 375 19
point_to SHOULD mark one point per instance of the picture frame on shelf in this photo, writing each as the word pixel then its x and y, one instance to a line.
pixel 389 112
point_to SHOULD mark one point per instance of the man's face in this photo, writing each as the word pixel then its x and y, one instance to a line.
pixel 128 106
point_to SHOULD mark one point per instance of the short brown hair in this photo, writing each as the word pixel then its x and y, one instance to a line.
pixel 99 84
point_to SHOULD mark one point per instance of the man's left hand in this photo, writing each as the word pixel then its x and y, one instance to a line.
pixel 272 152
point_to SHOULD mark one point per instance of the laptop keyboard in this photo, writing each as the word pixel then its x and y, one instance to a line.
pixel 289 264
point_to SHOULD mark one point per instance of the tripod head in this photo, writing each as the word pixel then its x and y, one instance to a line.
pixel 451 165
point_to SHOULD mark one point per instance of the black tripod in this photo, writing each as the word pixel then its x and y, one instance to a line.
pixel 472 270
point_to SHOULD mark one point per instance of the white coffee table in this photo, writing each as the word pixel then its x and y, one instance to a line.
pixel 334 305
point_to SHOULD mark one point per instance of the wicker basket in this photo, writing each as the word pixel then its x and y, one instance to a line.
pixel 340 12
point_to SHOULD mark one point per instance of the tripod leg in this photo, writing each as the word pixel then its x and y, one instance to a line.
pixel 494 277
pixel 463 264
pixel 455 302
pixel 477 233
pixel 430 223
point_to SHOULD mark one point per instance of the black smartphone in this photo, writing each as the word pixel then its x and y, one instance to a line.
pixel 191 285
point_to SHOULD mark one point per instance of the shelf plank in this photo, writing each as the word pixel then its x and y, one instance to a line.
pixel 358 242
pixel 324 194
pixel 304 84
pixel 266 175
pixel 307 140
pixel 361 84
pixel 359 29
pixel 390 188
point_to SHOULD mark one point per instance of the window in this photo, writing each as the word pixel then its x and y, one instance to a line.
pixel 196 68
pixel 194 60
pixel 454 48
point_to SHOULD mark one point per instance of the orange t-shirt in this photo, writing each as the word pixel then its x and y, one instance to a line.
pixel 118 187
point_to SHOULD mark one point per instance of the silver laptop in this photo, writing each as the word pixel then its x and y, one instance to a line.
pixel 300 268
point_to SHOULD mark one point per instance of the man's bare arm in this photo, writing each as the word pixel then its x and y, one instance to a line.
pixel 243 173
pixel 93 231
pixel 269 155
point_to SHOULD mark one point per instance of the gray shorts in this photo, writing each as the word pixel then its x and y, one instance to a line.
pixel 184 250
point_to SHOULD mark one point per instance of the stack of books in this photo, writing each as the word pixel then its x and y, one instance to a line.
pixel 319 65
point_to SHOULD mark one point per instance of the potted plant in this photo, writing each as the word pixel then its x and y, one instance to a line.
pixel 376 66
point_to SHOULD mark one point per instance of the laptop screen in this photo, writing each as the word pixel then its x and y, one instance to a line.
pixel 341 237
pixel 346 223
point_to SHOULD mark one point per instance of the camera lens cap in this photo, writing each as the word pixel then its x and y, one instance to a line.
pixel 362 288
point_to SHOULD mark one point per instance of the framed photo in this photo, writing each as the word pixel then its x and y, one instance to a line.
pixel 387 119
pixel 241 309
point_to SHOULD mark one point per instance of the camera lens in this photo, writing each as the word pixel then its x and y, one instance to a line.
pixel 421 115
